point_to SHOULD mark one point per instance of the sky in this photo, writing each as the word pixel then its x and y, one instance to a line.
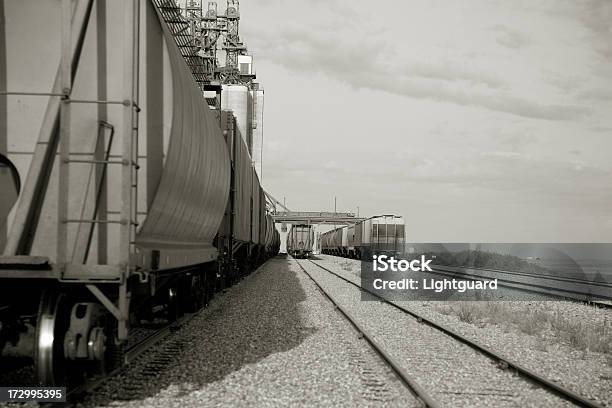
pixel 478 121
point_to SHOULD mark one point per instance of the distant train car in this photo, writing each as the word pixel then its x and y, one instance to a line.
pixel 379 234
pixel 300 241
pixel 272 237
pixel 337 240
pixel 324 242
pixel 350 241
pixel 331 242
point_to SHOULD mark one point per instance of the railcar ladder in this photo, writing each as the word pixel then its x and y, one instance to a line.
pixel 128 158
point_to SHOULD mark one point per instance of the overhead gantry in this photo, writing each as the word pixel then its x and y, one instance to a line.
pixel 313 217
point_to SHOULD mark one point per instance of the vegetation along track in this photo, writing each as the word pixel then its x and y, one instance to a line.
pixel 502 361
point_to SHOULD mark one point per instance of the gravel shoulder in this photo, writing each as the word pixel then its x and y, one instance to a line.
pixel 271 340
pixel 583 371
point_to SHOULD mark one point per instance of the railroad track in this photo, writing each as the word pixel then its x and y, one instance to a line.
pixel 500 360
pixel 511 280
pixel 131 354
pixel 544 276
pixel 406 378
pixel 536 283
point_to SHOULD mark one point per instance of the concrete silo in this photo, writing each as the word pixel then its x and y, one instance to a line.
pixel 236 98
pixel 258 126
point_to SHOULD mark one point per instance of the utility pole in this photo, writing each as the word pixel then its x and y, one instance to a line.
pixel 335 212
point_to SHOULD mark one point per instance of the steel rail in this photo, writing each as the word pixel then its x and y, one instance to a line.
pixel 502 361
pixel 422 396
pixel 130 355
pixel 529 287
pixel 559 293
pixel 529 274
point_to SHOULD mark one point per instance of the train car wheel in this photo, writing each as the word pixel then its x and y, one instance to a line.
pixel 52 324
pixel 173 307
pixel 113 351
pixel 196 297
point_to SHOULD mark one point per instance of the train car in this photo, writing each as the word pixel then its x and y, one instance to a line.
pixel 336 241
pixel 378 234
pixel 272 237
pixel 324 242
pixel 343 235
pixel 331 242
pixel 130 199
pixel 242 235
pixel 351 247
pixel 300 241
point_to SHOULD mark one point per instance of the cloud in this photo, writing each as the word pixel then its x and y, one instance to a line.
pixel 598 94
pixel 451 71
pixel 602 129
pixel 564 82
pixel 432 160
pixel 369 63
pixel 501 101
pixel 509 37
pixel 518 177
pixel 596 15
pixel 523 176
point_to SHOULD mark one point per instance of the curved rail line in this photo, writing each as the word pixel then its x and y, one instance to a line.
pixel 421 395
pixel 502 361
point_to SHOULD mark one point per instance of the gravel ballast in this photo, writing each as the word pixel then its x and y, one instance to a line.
pixel 585 372
pixel 271 340
pixel 453 373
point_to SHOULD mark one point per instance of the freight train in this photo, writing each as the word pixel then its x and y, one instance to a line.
pixel 130 199
pixel 379 234
pixel 300 241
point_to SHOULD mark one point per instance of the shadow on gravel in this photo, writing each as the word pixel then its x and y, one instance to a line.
pixel 258 317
